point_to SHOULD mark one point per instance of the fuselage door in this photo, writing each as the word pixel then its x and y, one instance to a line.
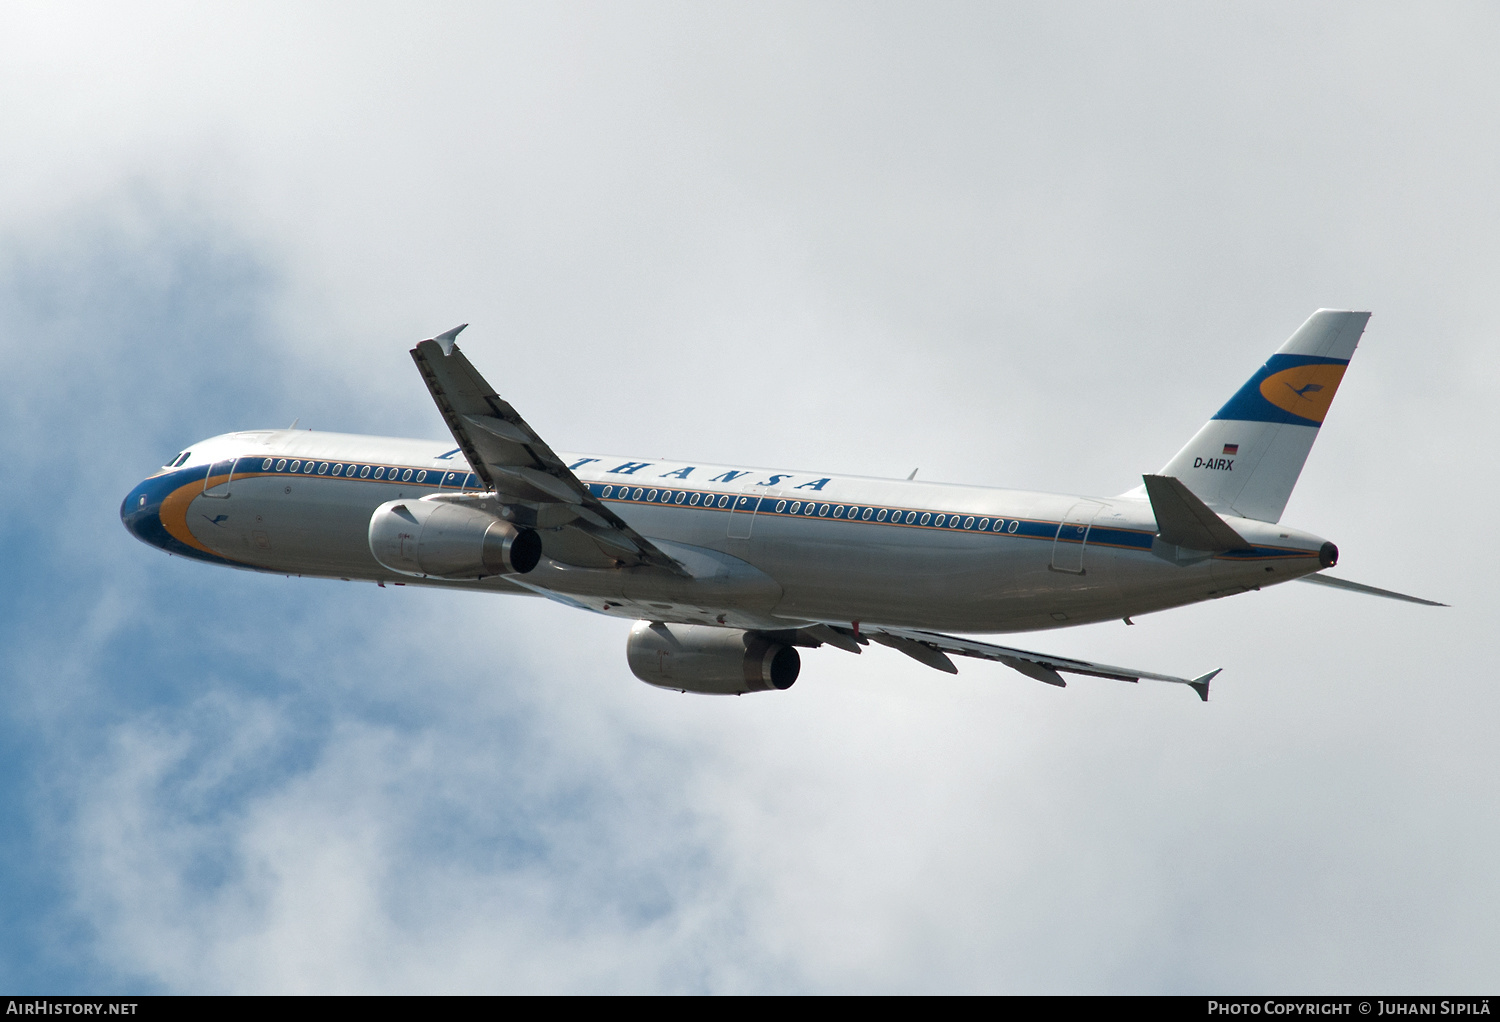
pixel 216 483
pixel 1072 537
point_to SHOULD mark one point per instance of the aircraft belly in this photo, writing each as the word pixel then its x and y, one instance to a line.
pixel 976 582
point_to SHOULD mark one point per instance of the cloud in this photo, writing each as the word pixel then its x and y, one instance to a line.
pixel 1029 249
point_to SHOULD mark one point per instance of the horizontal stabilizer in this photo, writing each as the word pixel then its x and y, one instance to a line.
pixel 1357 587
pixel 1184 520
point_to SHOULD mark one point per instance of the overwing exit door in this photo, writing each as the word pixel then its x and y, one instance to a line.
pixel 742 511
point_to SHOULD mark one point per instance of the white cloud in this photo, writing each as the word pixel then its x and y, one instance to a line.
pixel 1010 247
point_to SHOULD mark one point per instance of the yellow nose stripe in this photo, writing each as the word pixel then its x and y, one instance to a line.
pixel 174 512
pixel 1305 391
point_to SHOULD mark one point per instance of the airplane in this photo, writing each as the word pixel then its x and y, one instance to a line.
pixel 729 570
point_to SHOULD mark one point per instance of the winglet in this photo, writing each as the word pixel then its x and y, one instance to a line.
pixel 447 337
pixel 1200 685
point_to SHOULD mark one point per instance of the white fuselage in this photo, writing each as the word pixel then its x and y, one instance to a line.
pixel 766 548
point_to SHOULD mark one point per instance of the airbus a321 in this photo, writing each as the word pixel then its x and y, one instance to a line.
pixel 728 570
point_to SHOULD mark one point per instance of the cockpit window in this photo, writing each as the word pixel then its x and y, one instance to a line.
pixel 175 462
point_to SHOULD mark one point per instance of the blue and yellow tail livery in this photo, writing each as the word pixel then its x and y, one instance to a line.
pixel 1246 459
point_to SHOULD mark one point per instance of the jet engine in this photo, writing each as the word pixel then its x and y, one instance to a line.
pixel 708 659
pixel 436 538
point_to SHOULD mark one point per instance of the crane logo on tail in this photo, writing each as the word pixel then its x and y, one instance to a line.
pixel 1305 391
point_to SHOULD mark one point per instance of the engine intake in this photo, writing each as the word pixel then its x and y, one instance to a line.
pixel 711 660
pixel 443 540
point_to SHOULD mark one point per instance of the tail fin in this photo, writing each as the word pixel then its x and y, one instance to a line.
pixel 1246 459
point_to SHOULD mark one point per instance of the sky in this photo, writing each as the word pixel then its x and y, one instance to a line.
pixel 1012 245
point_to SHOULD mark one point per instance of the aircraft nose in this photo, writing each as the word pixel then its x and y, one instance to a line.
pixel 140 512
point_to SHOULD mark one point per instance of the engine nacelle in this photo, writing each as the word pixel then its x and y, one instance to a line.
pixel 436 538
pixel 704 658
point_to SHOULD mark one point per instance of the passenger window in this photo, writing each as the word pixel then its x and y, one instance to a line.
pixel 421 476
pixel 637 494
pixel 838 512
pixel 938 521
pixel 651 495
pixel 296 465
pixel 364 471
pixel 323 469
pixel 681 496
pixel 796 506
pixel 968 523
pixel 307 468
pixel 1012 526
pixel 693 500
pixel 926 518
pixel 823 511
pixel 867 513
pixel 406 476
pixel 780 506
pixel 281 465
pixel 607 491
pixel 881 516
pixel 265 466
pixel 380 473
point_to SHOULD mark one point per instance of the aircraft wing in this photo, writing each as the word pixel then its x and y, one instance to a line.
pixel 932 649
pixel 526 475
